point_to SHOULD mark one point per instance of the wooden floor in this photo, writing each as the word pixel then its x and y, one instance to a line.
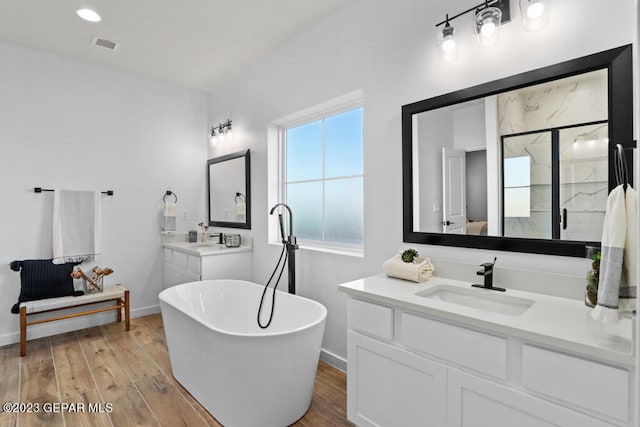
pixel 131 371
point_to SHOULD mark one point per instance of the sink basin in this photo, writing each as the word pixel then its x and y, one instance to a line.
pixel 479 299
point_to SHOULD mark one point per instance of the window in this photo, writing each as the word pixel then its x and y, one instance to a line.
pixel 321 177
pixel 517 187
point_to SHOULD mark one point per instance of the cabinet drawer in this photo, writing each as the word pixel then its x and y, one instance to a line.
pixel 481 352
pixel 589 385
pixel 371 318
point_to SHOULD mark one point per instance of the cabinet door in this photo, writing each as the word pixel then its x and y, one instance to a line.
pixel 474 402
pixel 235 265
pixel 388 386
pixel 171 276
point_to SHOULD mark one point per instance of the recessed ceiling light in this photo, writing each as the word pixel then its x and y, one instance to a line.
pixel 88 15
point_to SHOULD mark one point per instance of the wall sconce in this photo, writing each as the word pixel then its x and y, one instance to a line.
pixel 488 18
pixel 221 132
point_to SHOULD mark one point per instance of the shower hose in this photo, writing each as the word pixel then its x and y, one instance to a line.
pixel 284 254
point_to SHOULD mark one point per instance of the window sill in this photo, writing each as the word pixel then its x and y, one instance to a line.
pixel 353 252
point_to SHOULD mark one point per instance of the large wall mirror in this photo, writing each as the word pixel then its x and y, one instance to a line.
pixel 520 164
pixel 229 180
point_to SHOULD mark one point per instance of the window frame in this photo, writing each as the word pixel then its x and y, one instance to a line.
pixel 328 109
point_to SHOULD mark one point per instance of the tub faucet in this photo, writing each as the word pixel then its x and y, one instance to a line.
pixel 487 273
pixel 291 244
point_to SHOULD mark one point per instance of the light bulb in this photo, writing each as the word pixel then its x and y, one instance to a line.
pixel 488 29
pixel 535 10
pixel 448 45
pixel 535 14
pixel 89 15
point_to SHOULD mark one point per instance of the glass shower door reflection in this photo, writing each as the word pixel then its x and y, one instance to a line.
pixel 583 181
pixel 527 185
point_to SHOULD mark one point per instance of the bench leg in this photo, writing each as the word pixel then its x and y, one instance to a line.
pixel 126 310
pixel 23 331
pixel 119 313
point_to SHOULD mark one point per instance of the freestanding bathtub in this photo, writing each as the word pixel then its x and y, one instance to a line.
pixel 243 375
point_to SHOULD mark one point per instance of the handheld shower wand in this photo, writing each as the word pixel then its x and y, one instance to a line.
pixel 284 239
pixel 289 246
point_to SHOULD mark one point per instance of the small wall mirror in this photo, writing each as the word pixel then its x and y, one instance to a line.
pixel 523 163
pixel 230 190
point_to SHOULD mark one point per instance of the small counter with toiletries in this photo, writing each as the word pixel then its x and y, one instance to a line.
pixel 536 359
pixel 186 261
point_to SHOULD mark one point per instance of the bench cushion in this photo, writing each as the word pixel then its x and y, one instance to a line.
pixel 41 278
pixel 109 293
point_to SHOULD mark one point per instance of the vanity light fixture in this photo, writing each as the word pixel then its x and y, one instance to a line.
pixel 218 133
pixel 88 15
pixel 488 17
pixel 535 14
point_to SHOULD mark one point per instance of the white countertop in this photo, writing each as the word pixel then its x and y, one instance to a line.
pixel 204 248
pixel 561 323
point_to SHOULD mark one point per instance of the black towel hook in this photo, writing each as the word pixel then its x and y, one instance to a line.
pixel 620 167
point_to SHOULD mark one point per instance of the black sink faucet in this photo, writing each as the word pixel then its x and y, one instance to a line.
pixel 487 272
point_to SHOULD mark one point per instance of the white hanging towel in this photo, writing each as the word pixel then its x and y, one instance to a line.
pixel 617 288
pixel 76 225
pixel 169 217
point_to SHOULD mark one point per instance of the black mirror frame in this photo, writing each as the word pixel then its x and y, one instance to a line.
pixel 617 61
pixel 247 171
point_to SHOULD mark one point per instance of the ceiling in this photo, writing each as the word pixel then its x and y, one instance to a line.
pixel 198 44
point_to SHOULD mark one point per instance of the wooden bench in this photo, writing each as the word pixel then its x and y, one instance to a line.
pixel 118 294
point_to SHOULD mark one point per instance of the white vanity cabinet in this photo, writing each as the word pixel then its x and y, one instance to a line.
pixel 182 265
pixel 407 368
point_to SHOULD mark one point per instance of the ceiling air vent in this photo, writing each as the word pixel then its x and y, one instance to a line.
pixel 106 43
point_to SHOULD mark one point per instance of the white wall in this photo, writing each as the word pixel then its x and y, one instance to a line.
pixel 387 49
pixel 436 125
pixel 68 125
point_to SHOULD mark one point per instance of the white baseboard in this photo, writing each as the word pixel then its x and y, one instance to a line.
pixel 333 360
pixel 73 324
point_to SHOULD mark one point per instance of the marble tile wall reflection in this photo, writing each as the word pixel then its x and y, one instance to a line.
pixel 583 153
pixel 577 99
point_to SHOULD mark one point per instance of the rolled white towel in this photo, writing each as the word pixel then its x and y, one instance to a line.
pixel 420 270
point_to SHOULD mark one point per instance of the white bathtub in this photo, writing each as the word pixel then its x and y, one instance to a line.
pixel 243 375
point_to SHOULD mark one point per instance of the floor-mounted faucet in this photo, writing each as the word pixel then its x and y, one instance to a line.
pixel 291 244
pixel 487 273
